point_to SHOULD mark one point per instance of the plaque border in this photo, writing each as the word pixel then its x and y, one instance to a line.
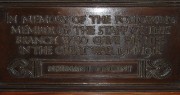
pixel 95 3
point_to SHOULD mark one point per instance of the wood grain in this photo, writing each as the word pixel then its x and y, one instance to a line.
pixel 89 93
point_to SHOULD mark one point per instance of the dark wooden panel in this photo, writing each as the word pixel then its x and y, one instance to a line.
pixel 90 93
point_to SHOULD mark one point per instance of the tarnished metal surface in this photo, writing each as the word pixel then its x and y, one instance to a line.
pixel 89 46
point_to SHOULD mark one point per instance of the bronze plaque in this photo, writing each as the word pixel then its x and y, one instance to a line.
pixel 89 45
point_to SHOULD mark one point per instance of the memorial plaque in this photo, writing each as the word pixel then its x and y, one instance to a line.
pixel 90 45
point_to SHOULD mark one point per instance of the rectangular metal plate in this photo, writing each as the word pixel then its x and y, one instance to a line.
pixel 89 46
